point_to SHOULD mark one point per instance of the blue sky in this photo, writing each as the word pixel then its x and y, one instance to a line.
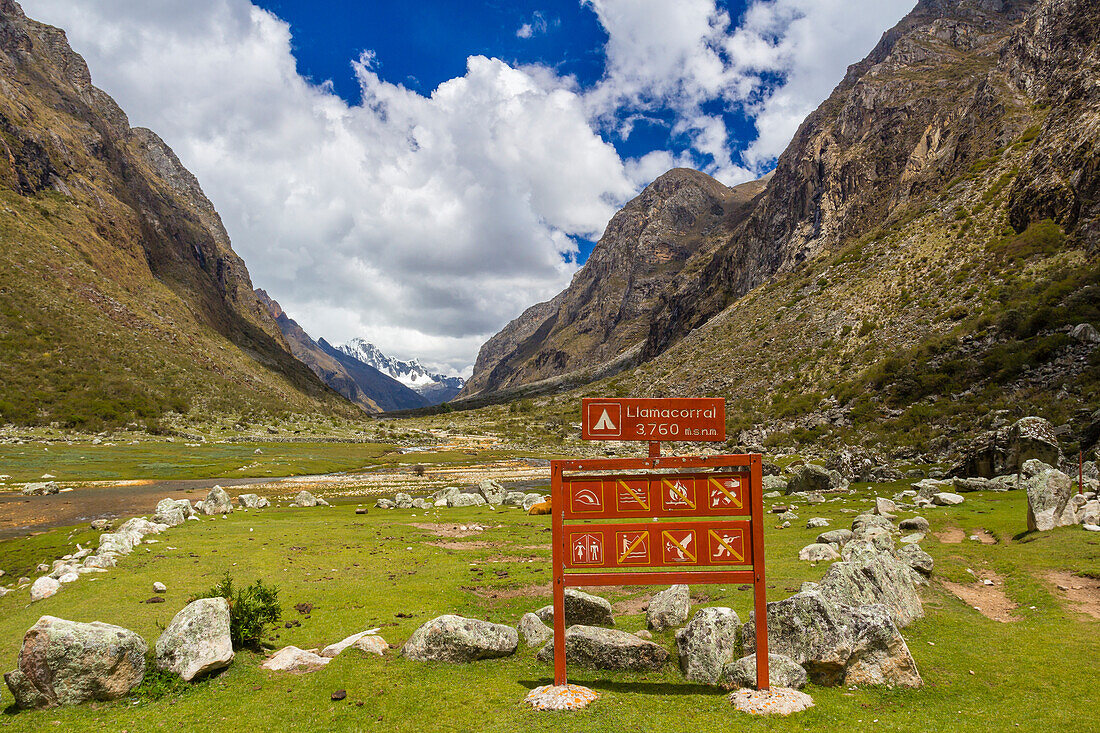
pixel 418 174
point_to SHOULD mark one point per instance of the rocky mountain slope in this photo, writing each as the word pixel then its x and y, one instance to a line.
pixel 435 388
pixel 923 262
pixel 603 317
pixel 120 297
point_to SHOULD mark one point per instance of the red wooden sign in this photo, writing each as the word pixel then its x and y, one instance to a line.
pixel 684 541
pixel 692 419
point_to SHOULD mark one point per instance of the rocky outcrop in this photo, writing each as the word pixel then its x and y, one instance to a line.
pixel 678 220
pixel 1048 497
pixel 837 644
pixel 457 639
pixel 591 646
pixel 1005 451
pixel 812 477
pixel 66 663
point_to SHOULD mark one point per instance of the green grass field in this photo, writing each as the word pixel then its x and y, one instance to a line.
pixel 165 461
pixel 1036 673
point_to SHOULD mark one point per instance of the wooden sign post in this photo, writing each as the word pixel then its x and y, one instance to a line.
pixel 703 515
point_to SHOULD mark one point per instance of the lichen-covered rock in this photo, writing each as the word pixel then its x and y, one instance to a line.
pixel 708 642
pixel 402 500
pixel 838 537
pixel 253 501
pixel 869 576
pixel 782 672
pixel 818 552
pixel 41 489
pixel 384 503
pixel 914 524
pixel 668 608
pixel 775 483
pixel 581 608
pixel 419 503
pixel 305 499
pixel 1048 497
pixel 529 500
pixel 918 560
pixel 1032 438
pixel 598 648
pixel 44 587
pixel 197 640
pixel 533 630
pixel 66 663
pixel 464 500
pixel 173 512
pixel 812 477
pixel 513 498
pixel 817 523
pixel 216 502
pixel 456 639
pixel 947 498
pixel 885 507
pixel 837 644
pixel 491 491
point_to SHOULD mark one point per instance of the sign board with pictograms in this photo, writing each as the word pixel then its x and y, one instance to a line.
pixel 703 517
pixel 686 418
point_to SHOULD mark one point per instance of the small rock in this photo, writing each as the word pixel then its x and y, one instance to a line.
pixel 776 701
pixel 44 588
pixel 817 522
pixel 293 659
pixel 360 510
pixel 159 587
pixel 946 498
pixel 818 552
pixel 914 524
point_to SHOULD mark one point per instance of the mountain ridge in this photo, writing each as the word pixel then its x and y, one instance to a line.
pixel 434 387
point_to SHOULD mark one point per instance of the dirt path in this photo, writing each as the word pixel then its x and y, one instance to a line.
pixel 1080 594
pixel 986 596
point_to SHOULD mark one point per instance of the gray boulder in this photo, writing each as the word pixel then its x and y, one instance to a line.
pixel 419 503
pixel 775 483
pixel 456 639
pixel 918 560
pixel 533 630
pixel 1048 497
pixel 812 477
pixel 925 488
pixel 253 501
pixel 491 491
pixel 782 672
pixel 946 498
pixel 914 524
pixel 975 483
pixel 44 587
pixel 580 608
pixel 67 663
pixel 384 503
pixel 818 552
pixel 216 502
pixel 40 489
pixel 1032 438
pixel 173 512
pixel 837 644
pixel 305 499
pixel 1085 333
pixel 885 507
pixel 403 501
pixel 197 640
pixel 101 525
pixel 529 500
pixel 868 576
pixel 708 642
pixel 598 648
pixel 817 523
pixel 465 500
pixel 838 537
pixel 668 608
pixel 513 498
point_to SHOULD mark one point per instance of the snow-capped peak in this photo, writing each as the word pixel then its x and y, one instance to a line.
pixel 411 373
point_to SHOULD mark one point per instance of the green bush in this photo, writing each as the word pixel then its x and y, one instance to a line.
pixel 251 610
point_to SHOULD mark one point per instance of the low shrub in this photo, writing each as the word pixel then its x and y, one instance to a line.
pixel 251 610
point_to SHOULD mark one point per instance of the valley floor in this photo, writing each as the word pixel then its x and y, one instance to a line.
pixel 1017 655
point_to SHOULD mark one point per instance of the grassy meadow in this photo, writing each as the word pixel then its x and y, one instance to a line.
pixel 1035 672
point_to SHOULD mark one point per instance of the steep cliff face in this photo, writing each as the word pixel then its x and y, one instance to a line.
pixel 122 296
pixel 667 231
pixel 949 86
